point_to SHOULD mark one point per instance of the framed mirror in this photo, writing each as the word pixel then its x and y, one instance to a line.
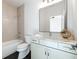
pixel 51 18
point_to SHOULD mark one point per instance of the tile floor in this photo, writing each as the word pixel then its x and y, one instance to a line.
pixel 15 56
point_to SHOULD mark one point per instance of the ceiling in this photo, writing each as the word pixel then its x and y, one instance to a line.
pixel 18 3
pixel 15 3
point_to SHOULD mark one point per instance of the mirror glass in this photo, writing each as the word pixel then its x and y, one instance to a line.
pixel 51 18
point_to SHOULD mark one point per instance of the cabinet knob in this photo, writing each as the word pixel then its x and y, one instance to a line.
pixel 45 52
pixel 48 54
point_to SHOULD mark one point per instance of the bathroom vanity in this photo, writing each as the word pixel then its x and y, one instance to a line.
pixel 52 49
pixel 51 20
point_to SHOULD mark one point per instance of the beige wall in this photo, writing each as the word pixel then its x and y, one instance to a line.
pixel 9 22
pixel 20 12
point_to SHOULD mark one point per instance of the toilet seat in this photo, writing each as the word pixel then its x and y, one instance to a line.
pixel 22 47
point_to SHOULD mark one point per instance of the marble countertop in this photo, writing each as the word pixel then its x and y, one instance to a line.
pixel 72 42
pixel 58 39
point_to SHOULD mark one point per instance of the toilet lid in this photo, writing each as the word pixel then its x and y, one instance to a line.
pixel 23 45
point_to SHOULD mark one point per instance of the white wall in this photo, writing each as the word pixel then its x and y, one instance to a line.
pixel 32 16
pixel 72 16
pixel 20 13
pixel 9 22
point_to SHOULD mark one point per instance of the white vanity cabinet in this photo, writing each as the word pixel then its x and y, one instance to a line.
pixel 38 52
pixel 57 54
pixel 43 52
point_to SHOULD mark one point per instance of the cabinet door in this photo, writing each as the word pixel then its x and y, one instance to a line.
pixel 38 52
pixel 57 54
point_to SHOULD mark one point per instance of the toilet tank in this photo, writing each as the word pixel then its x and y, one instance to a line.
pixel 28 39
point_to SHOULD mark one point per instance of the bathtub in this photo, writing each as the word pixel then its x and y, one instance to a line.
pixel 10 47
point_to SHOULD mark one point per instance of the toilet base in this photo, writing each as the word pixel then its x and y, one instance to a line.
pixel 23 54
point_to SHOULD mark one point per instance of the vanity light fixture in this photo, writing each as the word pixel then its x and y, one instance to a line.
pixel 44 0
pixel 47 1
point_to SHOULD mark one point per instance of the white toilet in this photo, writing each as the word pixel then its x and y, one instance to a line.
pixel 24 48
